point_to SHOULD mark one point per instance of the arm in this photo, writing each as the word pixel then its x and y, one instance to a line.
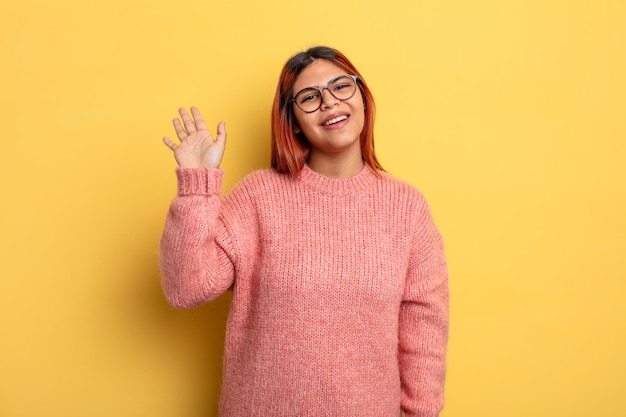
pixel 423 325
pixel 194 260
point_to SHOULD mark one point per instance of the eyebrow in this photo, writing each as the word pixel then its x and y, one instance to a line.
pixel 320 86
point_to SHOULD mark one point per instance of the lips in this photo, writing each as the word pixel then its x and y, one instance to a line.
pixel 335 119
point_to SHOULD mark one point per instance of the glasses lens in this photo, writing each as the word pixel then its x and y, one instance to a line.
pixel 308 99
pixel 343 87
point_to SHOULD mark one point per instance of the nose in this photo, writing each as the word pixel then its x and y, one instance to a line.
pixel 328 100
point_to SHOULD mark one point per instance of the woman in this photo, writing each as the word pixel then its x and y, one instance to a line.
pixel 339 281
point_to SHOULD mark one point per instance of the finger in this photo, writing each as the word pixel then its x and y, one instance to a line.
pixel 180 131
pixel 200 125
pixel 169 143
pixel 221 132
pixel 190 126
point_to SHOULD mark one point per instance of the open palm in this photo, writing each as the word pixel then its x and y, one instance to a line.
pixel 197 148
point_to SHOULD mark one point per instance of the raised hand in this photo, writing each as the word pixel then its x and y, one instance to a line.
pixel 197 148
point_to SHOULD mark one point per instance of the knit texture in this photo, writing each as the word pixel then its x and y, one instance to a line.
pixel 340 293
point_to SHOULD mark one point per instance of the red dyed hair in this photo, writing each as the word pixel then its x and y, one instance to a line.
pixel 290 150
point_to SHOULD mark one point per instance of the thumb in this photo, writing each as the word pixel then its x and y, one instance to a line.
pixel 221 133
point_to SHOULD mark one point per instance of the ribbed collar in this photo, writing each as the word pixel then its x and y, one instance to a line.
pixel 337 187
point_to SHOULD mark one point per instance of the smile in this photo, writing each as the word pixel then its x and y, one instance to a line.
pixel 335 120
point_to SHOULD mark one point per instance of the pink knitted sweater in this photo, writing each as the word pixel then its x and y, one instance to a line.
pixel 340 295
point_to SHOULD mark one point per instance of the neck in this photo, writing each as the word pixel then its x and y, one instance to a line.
pixel 336 166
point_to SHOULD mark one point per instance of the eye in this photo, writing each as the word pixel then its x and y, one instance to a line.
pixel 342 85
pixel 308 95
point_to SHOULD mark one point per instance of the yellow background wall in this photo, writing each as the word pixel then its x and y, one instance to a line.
pixel 509 115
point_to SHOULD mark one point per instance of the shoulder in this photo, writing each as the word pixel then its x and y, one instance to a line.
pixel 418 213
pixel 400 189
pixel 262 178
pixel 406 200
pixel 259 182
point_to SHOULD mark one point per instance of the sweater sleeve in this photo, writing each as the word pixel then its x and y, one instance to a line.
pixel 196 254
pixel 423 323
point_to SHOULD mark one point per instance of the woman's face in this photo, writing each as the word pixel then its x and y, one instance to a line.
pixel 336 126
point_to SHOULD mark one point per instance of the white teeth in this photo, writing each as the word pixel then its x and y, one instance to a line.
pixel 335 120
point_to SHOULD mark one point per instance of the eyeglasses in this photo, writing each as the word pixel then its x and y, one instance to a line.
pixel 342 88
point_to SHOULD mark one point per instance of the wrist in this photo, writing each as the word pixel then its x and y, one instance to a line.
pixel 199 181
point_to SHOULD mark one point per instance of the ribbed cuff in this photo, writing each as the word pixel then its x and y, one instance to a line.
pixel 199 181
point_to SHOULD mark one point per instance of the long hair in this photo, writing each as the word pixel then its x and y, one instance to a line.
pixel 290 150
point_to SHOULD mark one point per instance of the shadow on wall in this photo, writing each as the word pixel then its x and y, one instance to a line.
pixel 182 350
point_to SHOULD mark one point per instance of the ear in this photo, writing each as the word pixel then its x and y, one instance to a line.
pixel 297 130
